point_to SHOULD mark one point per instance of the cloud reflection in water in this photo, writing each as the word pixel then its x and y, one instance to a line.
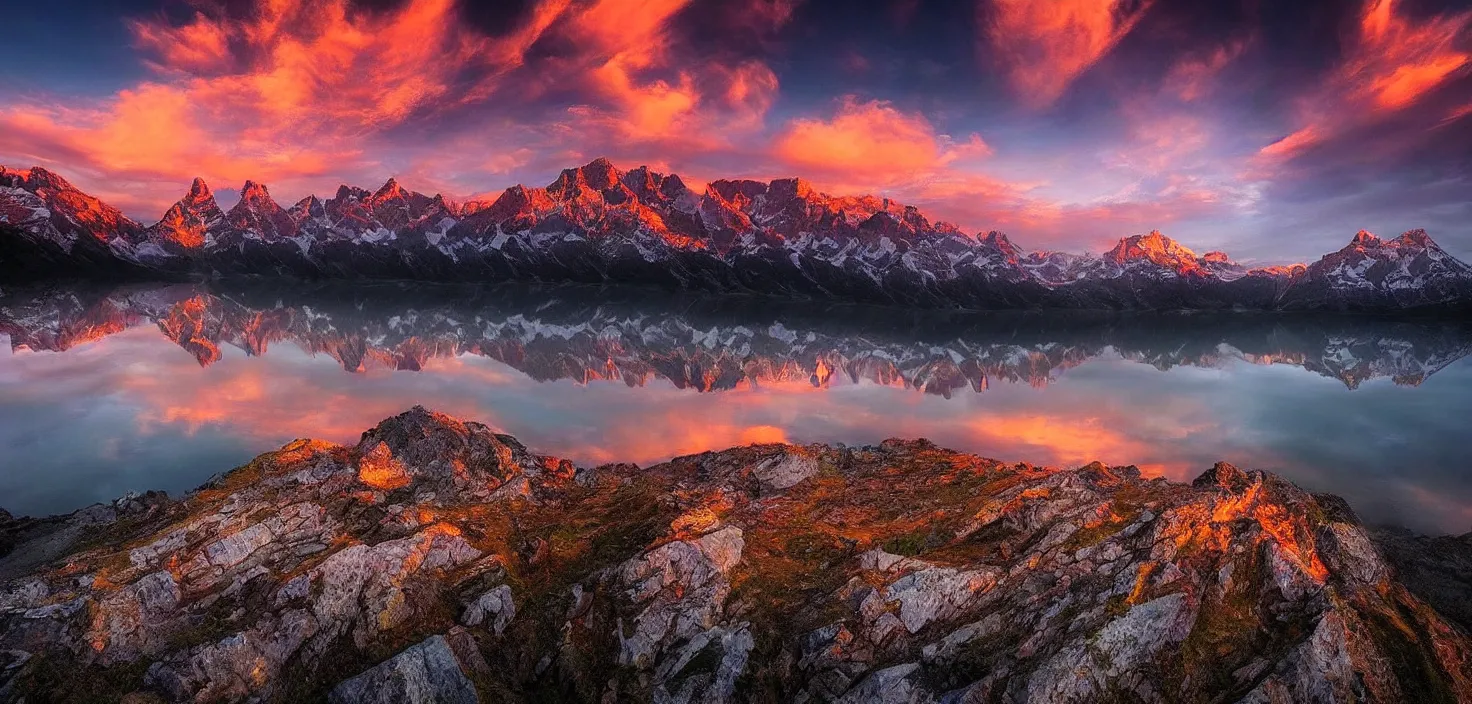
pixel 159 387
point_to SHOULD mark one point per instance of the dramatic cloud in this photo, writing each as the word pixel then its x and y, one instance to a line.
pixel 1046 44
pixel 871 139
pixel 1393 63
pixel 1193 76
pixel 303 93
pixel 1220 133
pixel 285 93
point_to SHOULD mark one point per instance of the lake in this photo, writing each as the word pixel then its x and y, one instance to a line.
pixel 110 390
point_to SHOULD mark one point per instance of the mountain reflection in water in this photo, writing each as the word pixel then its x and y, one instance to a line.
pixel 98 397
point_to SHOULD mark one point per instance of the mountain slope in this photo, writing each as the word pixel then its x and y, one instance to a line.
pixel 1410 270
pixel 598 224
pixel 50 228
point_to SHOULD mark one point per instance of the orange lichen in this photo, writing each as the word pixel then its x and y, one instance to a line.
pixel 379 469
pixel 694 522
pixel 1142 581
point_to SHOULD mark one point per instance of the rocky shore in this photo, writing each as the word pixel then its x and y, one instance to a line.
pixel 439 561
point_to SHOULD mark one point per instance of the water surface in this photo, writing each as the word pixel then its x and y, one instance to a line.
pixel 158 387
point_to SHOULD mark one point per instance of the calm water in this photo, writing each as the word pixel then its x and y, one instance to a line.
pixel 159 387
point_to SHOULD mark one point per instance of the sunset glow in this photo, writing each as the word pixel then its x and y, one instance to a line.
pixel 1037 119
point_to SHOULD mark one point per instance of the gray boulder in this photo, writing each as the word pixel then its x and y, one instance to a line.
pixel 423 674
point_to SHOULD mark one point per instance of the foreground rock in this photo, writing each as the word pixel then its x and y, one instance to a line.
pixel 439 561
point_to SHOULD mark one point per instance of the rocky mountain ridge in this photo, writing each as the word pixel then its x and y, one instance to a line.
pixel 436 560
pixel 598 224
pixel 587 334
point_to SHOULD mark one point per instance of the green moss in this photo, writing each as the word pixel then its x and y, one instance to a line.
pixel 909 544
pixel 1230 630
pixel 1421 676
pixel 47 679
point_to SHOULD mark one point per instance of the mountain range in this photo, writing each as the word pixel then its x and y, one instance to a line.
pixel 711 344
pixel 599 224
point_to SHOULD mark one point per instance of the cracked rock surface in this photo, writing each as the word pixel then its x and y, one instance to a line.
pixel 437 560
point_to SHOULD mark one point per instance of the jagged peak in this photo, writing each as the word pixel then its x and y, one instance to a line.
pixel 1364 238
pixel 1000 241
pixel 1280 269
pixel 791 188
pixel 674 183
pixel 1416 237
pixel 1217 257
pixel 346 193
pixel 730 190
pixel 1153 237
pixel 389 189
pixel 254 191
pixel 599 174
pixel 1153 246
pixel 38 177
pixel 199 197
pixel 1223 475
pixel 8 172
pixel 643 179
pixel 516 200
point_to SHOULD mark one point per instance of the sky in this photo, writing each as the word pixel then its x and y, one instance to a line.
pixel 1271 130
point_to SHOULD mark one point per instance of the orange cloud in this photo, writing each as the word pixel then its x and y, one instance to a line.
pixel 1400 61
pixel 870 136
pixel 871 144
pixel 290 91
pixel 1072 441
pixel 1394 62
pixel 1046 44
pixel 202 46
pixel 646 95
pixel 1293 143
pixel 294 92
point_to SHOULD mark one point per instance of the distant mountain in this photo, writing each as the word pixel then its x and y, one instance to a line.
pixel 711 344
pixel 598 224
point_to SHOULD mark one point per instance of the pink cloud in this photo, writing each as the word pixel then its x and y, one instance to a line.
pixel 1393 62
pixel 202 46
pixel 1192 77
pixel 870 138
pixel 303 94
pixel 1045 44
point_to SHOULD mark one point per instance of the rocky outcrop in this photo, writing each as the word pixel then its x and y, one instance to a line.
pixel 426 673
pixel 1436 568
pixel 436 560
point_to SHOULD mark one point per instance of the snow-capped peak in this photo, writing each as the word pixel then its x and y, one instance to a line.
pixel 189 222
pixel 257 216
pixel 390 189
pixel 1156 249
